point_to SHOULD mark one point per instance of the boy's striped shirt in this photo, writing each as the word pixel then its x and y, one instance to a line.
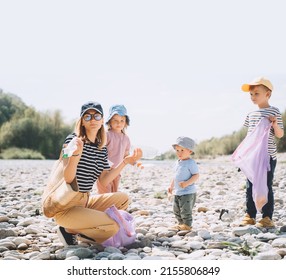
pixel 253 119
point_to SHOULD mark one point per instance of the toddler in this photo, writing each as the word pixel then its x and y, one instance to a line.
pixel 183 183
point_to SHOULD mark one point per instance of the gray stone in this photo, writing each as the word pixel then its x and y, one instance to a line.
pixel 116 256
pixel 81 253
pixel 279 242
pixel 7 232
pixel 239 231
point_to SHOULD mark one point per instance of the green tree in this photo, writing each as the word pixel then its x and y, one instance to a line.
pixel 52 134
pixel 10 106
pixel 40 132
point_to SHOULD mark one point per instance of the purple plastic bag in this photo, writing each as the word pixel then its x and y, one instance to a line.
pixel 252 157
pixel 126 234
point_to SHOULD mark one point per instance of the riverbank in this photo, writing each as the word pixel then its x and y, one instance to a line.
pixel 26 234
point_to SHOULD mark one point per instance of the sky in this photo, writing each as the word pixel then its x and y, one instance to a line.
pixel 177 66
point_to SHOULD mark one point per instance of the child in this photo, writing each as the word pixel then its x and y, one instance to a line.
pixel 183 184
pixel 260 91
pixel 118 143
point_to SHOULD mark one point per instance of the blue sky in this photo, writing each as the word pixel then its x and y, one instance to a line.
pixel 176 65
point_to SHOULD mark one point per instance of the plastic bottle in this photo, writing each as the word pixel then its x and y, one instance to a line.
pixel 70 148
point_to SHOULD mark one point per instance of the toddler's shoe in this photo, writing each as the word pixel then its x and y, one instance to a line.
pixel 185 227
pixel 265 222
pixel 176 227
pixel 247 220
pixel 181 227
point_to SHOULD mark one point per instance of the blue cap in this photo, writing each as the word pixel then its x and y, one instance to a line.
pixel 185 142
pixel 120 110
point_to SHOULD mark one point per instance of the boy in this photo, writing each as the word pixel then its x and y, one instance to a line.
pixel 260 91
pixel 186 174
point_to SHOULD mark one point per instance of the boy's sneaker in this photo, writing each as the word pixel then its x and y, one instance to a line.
pixel 65 237
pixel 247 220
pixel 266 222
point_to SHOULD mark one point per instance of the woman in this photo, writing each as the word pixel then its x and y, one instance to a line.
pixel 85 215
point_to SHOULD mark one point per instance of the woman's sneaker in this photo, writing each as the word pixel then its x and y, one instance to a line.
pixel 83 238
pixel 66 238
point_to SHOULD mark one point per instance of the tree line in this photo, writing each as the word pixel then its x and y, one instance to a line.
pixel 224 145
pixel 24 128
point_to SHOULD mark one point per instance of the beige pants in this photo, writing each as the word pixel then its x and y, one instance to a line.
pixel 86 215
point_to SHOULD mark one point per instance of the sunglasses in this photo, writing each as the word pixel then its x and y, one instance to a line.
pixel 88 117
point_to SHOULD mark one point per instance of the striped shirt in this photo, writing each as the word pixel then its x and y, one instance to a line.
pixel 253 119
pixel 91 164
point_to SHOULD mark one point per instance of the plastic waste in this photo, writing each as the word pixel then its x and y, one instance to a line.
pixel 70 148
pixel 126 234
pixel 252 158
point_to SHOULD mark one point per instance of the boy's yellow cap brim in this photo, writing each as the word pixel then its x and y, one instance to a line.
pixel 256 82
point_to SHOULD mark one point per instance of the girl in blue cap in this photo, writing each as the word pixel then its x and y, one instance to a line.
pixel 118 143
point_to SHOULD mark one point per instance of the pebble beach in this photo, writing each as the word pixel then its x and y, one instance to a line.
pixel 25 234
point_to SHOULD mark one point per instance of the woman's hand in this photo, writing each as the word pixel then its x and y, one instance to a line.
pixel 107 176
pixel 70 164
pixel 132 159
pixel 79 145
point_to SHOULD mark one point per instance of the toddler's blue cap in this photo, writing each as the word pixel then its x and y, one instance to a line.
pixel 185 142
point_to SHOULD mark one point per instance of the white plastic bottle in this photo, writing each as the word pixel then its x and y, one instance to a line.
pixel 70 148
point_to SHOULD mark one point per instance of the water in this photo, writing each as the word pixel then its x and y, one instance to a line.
pixel 25 163
pixel 29 163
pixel 148 163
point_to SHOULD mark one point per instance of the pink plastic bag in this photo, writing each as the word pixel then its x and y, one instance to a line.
pixel 126 234
pixel 252 157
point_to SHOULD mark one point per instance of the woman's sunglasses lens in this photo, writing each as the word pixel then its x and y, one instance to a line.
pixel 88 117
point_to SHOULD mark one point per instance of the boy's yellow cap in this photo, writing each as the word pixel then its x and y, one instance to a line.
pixel 256 82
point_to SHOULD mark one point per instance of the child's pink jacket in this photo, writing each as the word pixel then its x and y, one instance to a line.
pixel 252 157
